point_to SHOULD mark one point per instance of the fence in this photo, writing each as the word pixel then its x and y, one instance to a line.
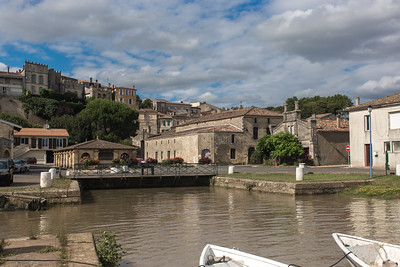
pixel 112 170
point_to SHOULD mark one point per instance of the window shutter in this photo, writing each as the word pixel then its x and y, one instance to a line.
pixel 40 143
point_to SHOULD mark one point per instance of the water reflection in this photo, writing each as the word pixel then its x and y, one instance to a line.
pixel 171 225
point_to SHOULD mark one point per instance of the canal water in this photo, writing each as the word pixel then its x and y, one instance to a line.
pixel 170 226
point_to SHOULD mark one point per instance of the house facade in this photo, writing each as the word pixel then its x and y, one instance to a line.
pixel 11 83
pixel 228 137
pixel 39 143
pixel 7 137
pixel 384 128
pixel 126 95
pixel 323 137
pixel 102 150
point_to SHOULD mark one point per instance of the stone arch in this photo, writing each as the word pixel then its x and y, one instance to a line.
pixel 85 155
pixel 124 156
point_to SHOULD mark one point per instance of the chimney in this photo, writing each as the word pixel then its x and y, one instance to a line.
pixel 285 108
pixel 133 86
pixel 91 80
pixel 357 101
pixel 338 121
pixel 8 69
pixel 296 105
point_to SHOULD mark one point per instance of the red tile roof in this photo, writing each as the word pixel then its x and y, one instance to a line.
pixel 42 132
pixel 378 103
pixel 330 125
pixel 98 144
pixel 252 111
pixel 227 128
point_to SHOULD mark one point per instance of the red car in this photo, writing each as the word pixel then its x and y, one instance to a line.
pixel 31 160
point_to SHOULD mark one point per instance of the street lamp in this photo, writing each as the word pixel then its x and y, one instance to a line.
pixel 370 142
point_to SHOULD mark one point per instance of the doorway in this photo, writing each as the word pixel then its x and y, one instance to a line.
pixel 367 155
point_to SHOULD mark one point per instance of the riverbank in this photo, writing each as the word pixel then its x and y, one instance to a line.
pixel 74 250
pixel 360 185
pixel 63 191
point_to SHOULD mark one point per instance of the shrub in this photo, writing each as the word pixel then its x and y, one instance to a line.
pixel 255 158
pixel 205 160
pixel 177 160
pixel 133 162
pixel 108 250
pixel 166 162
pixel 151 160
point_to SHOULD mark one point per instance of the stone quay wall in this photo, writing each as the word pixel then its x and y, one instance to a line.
pixel 295 188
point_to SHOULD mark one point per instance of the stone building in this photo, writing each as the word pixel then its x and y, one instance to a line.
pixel 39 143
pixel 126 95
pixel 102 150
pixel 323 137
pixel 11 83
pixel 38 76
pixel 96 91
pixel 7 137
pixel 384 128
pixel 206 108
pixel 228 137
pixel 180 112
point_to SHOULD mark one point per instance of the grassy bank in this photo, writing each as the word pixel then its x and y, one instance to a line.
pixel 384 186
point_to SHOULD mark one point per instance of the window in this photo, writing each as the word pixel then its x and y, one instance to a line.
pixel 174 153
pixel 132 93
pixel 156 155
pixel 161 155
pixel 41 79
pixel 121 100
pixel 33 143
pixel 163 123
pixel 268 121
pixel 396 146
pixel 59 143
pixel 33 89
pixel 366 123
pixel 255 133
pixel 121 92
pixel 394 119
pixel 233 153
pixel 168 123
pixel 168 154
pixel 4 90
pixel 255 120
pixel 130 101
pixel 126 92
pixel 45 142
pixel 33 78
pixel 233 138
pixel 386 146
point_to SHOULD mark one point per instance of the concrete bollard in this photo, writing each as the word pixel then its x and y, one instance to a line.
pixel 303 166
pixel 398 169
pixel 45 179
pixel 231 169
pixel 299 174
pixel 53 172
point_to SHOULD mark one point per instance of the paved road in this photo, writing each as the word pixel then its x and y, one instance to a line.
pixel 32 177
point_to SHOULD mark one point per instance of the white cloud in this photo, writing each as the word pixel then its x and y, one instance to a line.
pixel 387 85
pixel 219 51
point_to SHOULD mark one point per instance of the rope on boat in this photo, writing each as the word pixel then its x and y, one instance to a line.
pixel 345 256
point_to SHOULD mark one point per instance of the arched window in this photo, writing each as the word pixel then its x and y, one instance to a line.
pixel 85 155
pixel 124 156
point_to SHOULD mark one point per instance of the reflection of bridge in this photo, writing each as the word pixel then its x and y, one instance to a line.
pixel 145 175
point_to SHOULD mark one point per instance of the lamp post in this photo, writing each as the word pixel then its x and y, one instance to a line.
pixel 370 142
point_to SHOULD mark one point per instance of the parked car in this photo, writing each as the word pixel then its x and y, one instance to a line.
pixel 31 160
pixel 18 166
pixel 26 165
pixel 6 171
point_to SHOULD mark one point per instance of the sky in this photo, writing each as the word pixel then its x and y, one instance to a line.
pixel 224 52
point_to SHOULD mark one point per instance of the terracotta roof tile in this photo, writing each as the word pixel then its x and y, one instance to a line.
pixel 42 132
pixel 330 125
pixel 98 144
pixel 227 128
pixel 377 103
pixel 252 111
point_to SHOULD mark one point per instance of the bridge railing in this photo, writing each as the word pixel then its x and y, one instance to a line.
pixel 110 170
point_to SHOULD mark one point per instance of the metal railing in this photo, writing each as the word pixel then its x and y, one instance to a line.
pixel 112 170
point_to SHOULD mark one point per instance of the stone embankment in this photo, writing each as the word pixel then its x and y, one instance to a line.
pixel 295 188
pixel 47 250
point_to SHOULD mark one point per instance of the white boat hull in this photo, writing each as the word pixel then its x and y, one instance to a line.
pixel 361 252
pixel 217 256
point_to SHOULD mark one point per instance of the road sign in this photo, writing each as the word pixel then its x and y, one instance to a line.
pixel 348 148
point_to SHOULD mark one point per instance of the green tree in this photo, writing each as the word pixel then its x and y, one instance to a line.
pixel 143 104
pixel 109 120
pixel 283 147
pixel 78 130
